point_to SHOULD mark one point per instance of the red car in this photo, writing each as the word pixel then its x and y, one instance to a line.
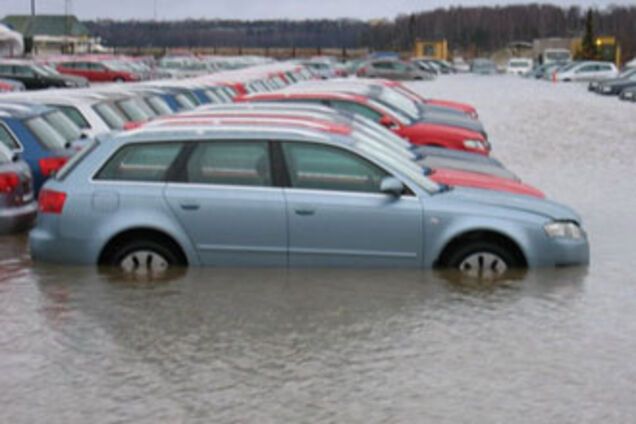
pixel 463 107
pixel 416 132
pixel 94 71
pixel 445 176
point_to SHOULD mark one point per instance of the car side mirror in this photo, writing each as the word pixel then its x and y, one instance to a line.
pixel 392 186
pixel 388 122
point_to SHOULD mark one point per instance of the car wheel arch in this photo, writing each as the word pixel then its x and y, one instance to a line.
pixel 481 234
pixel 151 233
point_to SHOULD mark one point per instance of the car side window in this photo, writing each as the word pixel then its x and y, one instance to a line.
pixel 7 139
pixel 244 163
pixel 6 69
pixel 320 167
pixel 383 65
pixel 140 162
pixel 24 71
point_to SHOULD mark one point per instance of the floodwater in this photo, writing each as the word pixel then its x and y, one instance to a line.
pixel 552 346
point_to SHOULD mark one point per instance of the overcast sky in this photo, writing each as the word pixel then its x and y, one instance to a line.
pixel 255 9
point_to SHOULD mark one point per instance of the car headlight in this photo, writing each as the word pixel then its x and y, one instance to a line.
pixel 606 89
pixel 564 229
pixel 475 144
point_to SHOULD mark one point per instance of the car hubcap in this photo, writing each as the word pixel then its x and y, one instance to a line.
pixel 144 262
pixel 483 265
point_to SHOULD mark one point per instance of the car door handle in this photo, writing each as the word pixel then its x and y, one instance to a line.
pixel 190 206
pixel 305 212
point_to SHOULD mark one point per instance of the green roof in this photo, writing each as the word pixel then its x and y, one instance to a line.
pixel 55 25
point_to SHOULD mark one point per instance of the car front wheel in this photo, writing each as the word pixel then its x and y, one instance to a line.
pixel 483 260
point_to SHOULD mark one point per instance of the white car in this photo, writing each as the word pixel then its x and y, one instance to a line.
pixel 519 66
pixel 90 111
pixel 587 71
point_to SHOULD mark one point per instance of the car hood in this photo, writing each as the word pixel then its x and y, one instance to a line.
pixel 80 81
pixel 435 117
pixel 543 207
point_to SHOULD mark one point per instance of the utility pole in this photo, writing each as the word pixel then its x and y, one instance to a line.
pixel 154 9
pixel 32 7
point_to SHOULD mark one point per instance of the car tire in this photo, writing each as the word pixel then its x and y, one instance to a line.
pixel 143 257
pixel 483 260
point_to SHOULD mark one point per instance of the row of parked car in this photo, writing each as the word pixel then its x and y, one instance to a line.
pixel 623 86
pixel 271 166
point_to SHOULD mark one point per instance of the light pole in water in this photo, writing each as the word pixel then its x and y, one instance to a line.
pixel 32 7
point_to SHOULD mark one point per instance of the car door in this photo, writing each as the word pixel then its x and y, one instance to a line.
pixel 226 201
pixel 338 216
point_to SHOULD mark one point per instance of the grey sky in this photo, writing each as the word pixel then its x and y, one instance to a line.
pixel 256 9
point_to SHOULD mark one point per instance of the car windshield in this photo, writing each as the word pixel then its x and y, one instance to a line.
pixel 405 166
pixel 117 66
pixel 391 111
pixel 46 134
pixel 568 66
pixel 518 64
pixel 108 115
pixel 64 125
pixel 627 73
pixel 132 110
pixel 401 102
pixel 46 72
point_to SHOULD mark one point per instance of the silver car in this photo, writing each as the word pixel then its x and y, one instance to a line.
pixel 17 204
pixel 258 195
pixel 393 69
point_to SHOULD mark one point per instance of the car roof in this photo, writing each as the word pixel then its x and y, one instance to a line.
pixel 22 110
pixel 309 94
pixel 196 131
pixel 323 125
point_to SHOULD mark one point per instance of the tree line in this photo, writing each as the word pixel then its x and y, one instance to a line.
pixel 477 29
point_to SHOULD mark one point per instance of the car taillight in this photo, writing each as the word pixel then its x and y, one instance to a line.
pixel 8 182
pixel 51 201
pixel 49 166
pixel 362 71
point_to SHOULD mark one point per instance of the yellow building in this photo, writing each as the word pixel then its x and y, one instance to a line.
pixel 434 49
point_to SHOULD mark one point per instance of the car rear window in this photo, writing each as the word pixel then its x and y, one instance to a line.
pixel 108 114
pixel 64 125
pixel 46 134
pixel 5 156
pixel 132 110
pixel 159 105
pixel 7 139
pixel 140 162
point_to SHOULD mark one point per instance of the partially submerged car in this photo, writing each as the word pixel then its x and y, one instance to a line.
pixel 254 195
pixel 418 133
pixel 18 207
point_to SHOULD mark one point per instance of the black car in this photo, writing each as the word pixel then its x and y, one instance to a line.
pixel 614 86
pixel 35 77
pixel 629 94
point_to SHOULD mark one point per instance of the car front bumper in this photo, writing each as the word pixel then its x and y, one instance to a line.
pixel 561 252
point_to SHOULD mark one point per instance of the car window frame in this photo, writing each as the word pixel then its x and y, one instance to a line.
pixel 287 177
pixel 179 174
pixel 12 135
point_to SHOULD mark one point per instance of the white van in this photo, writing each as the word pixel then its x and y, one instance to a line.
pixel 519 66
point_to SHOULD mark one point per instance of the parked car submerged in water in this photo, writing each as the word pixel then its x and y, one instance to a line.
pixel 18 207
pixel 250 195
pixel 586 71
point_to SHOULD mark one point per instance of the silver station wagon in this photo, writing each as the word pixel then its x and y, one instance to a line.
pixel 284 195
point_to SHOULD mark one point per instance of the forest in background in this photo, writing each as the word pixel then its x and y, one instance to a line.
pixel 474 29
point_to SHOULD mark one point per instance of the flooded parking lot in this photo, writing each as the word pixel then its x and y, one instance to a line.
pixel 213 345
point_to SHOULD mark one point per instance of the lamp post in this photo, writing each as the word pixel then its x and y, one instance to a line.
pixel 32 7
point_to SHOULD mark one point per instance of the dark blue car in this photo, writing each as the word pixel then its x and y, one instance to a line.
pixel 44 149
